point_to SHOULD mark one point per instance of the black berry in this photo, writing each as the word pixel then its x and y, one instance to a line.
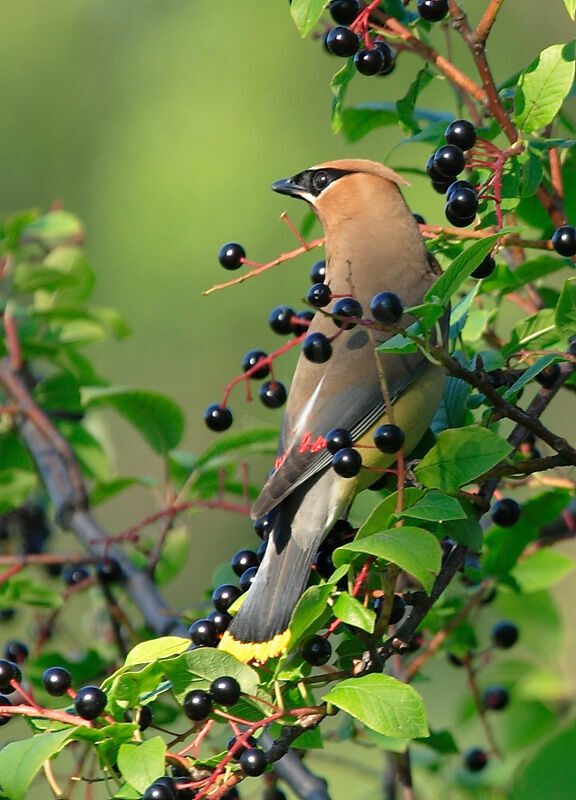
pixel 504 634
pixel 495 698
pixel 316 348
pixel 161 790
pixel 347 462
pixel 564 240
pixel 449 160
pixel 369 62
pixel 475 759
pixel 301 323
pixel 264 525
pixel 319 295
pixel 197 704
pixel 225 691
pixel 461 133
pixel 56 681
pixel 433 172
pixel 462 204
pixel 224 595
pixel 456 186
pixel 546 378
pixel 432 10
pixel 344 12
pixel 323 563
pixel 141 715
pixel 242 560
pixel 74 574
pixel 220 619
pixel 203 633
pixel 251 359
pixel 338 438
pixel 230 255
pixel 485 268
pixel 9 671
pixel 272 394
pixel 253 761
pixel 346 308
pixel 318 271
pixel 261 550
pixel 109 571
pixel 5 718
pixel 441 186
pixel 386 307
pixel 419 219
pixel 505 512
pixel 396 612
pixel 280 320
pixel 183 790
pixel 389 438
pixel 217 417
pixel 15 651
pixel 90 702
pixel 247 578
pixel 316 650
pixel 6 614
pixel 241 748
pixel 388 62
pixel 342 42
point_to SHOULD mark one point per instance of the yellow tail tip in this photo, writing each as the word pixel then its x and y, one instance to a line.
pixel 255 651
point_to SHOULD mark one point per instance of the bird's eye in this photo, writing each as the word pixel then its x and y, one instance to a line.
pixel 320 180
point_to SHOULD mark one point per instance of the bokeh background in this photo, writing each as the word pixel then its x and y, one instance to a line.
pixel 162 124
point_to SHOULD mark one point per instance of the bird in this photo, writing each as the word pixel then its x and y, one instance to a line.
pixel 372 244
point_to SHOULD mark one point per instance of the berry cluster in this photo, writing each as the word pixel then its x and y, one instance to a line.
pixel 224 691
pixel 347 461
pixel 446 164
pixel 375 58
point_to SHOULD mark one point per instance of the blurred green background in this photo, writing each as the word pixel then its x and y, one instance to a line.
pixel 162 124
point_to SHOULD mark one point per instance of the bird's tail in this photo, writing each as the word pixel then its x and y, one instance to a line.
pixel 260 628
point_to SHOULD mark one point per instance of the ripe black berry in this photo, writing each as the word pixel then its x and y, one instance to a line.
pixel 141 715
pixel 224 595
pixel 461 133
pixel 456 186
pixel 220 619
pixel 316 650
pixel 252 358
pixel 261 550
pixel 396 612
pixel 342 42
pixel 280 319
pixel 338 438
pixel 319 295
pixel 386 307
pixel 485 268
pixel 432 10
pixel 298 327
pixel 441 186
pixel 546 378
pixel 6 614
pixel 197 704
pixel 230 255
pixel 462 203
pixel 264 525
pixel 369 62
pixel 74 574
pixel 316 348
pixel 504 634
pixel 475 759
pixel 203 633
pixel 419 219
pixel 495 698
pixel 5 718
pixel 432 170
pixel 225 691
pixel 218 418
pixel 505 512
pixel 9 671
pixel 449 160
pixel 347 308
pixel 253 761
pixel 344 12
pixel 109 571
pixel 564 240
pixel 347 462
pixel 389 438
pixel 251 742
pixel 15 651
pixel 323 563
pixel 318 271
pixel 56 681
pixel 242 560
pixel 90 702
pixel 183 790
pixel 247 578
pixel 161 790
pixel 388 62
pixel 272 394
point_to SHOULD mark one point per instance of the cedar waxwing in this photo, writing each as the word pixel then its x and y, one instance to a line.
pixel 373 244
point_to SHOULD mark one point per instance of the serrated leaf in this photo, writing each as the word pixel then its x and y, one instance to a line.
pixel 543 87
pixel 542 569
pixel 565 314
pixel 435 507
pixel 382 703
pixel 163 647
pixel 140 764
pixel 306 14
pixel 461 269
pixel 159 420
pixel 413 549
pixel 459 456
pixel 352 612
pixel 202 666
pixel 20 761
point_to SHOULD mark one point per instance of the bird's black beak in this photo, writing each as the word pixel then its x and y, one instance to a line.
pixel 288 186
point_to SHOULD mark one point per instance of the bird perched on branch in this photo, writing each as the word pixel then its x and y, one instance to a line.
pixel 373 244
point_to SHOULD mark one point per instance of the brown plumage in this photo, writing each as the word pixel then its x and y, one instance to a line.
pixel 373 244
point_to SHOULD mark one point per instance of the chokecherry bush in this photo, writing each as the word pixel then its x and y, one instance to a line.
pixel 451 566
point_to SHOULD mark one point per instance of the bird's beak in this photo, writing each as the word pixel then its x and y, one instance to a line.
pixel 288 186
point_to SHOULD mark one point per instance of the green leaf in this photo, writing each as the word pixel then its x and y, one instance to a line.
pixel 203 665
pixel 461 269
pixel 104 490
pixel 530 173
pixel 570 8
pixel 31 277
pixel 465 531
pixel 254 440
pixel 565 314
pixel 405 106
pixel 54 228
pixel 29 591
pixel 529 375
pixel 442 742
pixel 351 611
pixel 311 606
pixel 413 549
pixel 541 570
pixel 543 87
pixel 306 14
pixel 435 507
pixel 140 764
pixel 174 554
pixel 549 773
pixel 459 456
pixel 382 703
pixel 384 516
pixel 536 331
pixel 20 761
pixel 163 647
pixel 360 119
pixel 339 86
pixel 156 417
pixel 15 486
pixel 401 344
